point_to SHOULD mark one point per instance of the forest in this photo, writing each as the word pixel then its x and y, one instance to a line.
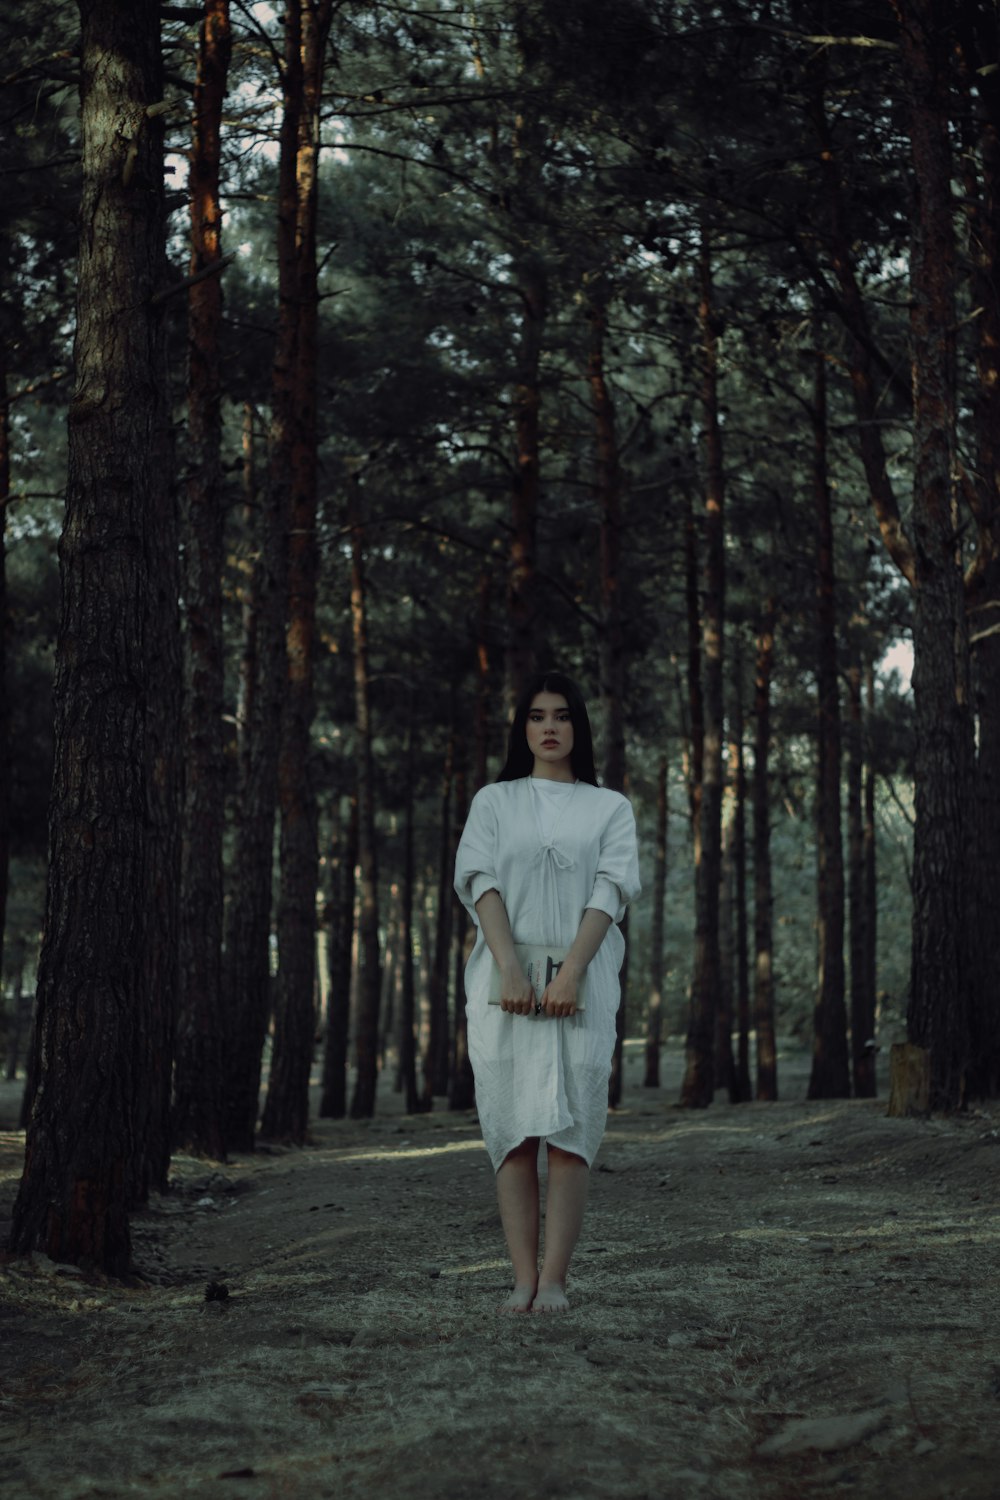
pixel 360 359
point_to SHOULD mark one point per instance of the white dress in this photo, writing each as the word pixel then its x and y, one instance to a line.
pixel 551 849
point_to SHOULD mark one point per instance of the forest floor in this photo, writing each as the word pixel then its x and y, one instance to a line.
pixel 770 1302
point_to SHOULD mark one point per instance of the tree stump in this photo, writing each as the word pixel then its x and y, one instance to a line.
pixel 909 1080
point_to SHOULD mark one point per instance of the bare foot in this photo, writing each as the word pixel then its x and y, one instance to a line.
pixel 550 1298
pixel 520 1299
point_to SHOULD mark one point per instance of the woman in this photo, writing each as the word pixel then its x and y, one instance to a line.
pixel 547 856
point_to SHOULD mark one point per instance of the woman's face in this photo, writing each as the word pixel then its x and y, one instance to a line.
pixel 550 734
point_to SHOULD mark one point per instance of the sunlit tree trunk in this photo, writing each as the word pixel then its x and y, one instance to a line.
pixel 830 1076
pixel 657 923
pixel 92 1140
pixel 198 1124
pixel 699 1084
pixel 763 1003
pixel 286 1110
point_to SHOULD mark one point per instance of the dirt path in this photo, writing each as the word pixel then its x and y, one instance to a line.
pixel 784 1301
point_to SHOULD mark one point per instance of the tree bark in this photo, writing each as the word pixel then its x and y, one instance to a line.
pixel 436 1058
pixel 97 1019
pixel 867 381
pixel 741 1090
pixel 654 1013
pixel 695 687
pixel 938 1017
pixel 830 1077
pixel 763 1006
pixel 286 1109
pixel 407 881
pixel 461 1087
pixel 862 996
pixel 981 163
pixel 611 646
pixel 522 582
pixel 612 663
pixel 725 1066
pixel 198 1126
pixel 340 908
pixel 870 855
pixel 699 1084
pixel 5 746
pixel 366 1039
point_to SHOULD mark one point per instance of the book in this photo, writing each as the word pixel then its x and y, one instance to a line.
pixel 541 962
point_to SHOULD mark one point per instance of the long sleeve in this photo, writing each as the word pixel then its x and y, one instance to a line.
pixel 616 882
pixel 475 862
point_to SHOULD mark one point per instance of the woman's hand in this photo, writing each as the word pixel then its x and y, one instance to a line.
pixel 518 998
pixel 559 997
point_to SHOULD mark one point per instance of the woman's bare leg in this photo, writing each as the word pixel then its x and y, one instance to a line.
pixel 569 1179
pixel 517 1195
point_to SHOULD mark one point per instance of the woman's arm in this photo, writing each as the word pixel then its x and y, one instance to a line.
pixel 559 998
pixel 517 994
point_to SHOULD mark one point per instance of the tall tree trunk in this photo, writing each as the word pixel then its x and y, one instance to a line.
pixel 461 1086
pixel 247 976
pixel 436 1058
pixel 695 686
pixel 286 1110
pixel 742 1089
pixel 868 374
pixel 699 1084
pixel 612 663
pixel 862 996
pixel 5 748
pixel 484 691
pixel 830 1077
pixel 870 850
pixel 522 192
pixel 938 1017
pixel 340 908
pixel 978 31
pixel 763 1005
pixel 522 583
pixel 408 986
pixel 654 1013
pixel 96 1015
pixel 366 1039
pixel 200 1037
pixel 611 647
pixel 725 1066
pixel 251 572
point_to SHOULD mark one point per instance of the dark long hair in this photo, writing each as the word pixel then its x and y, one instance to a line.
pixel 520 761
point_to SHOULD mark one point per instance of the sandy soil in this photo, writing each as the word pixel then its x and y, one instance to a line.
pixel 778 1301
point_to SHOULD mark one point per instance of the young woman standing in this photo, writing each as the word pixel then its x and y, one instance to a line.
pixel 547 857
